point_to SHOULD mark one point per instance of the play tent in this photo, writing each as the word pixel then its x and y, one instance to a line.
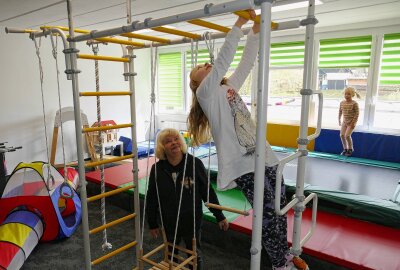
pixel 33 210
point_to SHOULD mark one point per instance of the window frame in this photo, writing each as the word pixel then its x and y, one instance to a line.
pixel 372 79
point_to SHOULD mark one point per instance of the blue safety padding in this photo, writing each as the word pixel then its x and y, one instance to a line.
pixel 142 147
pixel 366 145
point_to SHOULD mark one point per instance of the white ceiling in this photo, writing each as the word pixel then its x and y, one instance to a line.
pixel 102 14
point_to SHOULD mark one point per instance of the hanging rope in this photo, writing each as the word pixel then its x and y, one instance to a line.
pixel 179 208
pixel 106 245
pixel 65 184
pixel 194 193
pixel 41 75
pixel 153 56
pixel 194 56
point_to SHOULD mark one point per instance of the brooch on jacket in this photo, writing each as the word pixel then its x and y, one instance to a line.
pixel 188 183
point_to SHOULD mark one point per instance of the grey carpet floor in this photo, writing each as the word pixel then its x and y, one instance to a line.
pixel 222 250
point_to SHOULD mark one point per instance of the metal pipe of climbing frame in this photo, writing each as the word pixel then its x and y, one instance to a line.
pixel 136 198
pixel 262 101
pixel 79 142
pixel 303 141
pixel 208 10
pixel 35 33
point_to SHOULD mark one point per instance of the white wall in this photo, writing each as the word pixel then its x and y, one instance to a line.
pixel 21 117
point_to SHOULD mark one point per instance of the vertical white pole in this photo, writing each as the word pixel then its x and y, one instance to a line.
pixel 373 82
pixel 306 93
pixel 79 141
pixel 136 198
pixel 262 101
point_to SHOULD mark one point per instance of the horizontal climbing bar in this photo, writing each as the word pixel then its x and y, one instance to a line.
pixel 246 15
pixel 121 41
pixel 145 37
pixel 229 209
pixel 112 223
pixel 115 252
pixel 210 25
pixel 100 94
pixel 106 161
pixel 207 11
pixel 101 57
pixel 109 193
pixel 103 39
pixel 110 127
pixel 176 32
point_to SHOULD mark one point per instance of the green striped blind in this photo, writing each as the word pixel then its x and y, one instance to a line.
pixel 203 57
pixel 170 81
pixel 390 65
pixel 287 54
pixel 345 52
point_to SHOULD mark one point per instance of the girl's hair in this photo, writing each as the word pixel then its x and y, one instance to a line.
pixel 352 91
pixel 160 150
pixel 198 124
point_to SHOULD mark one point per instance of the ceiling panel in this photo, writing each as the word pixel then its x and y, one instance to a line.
pixel 102 14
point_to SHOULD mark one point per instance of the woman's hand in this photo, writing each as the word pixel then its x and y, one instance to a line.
pixel 155 233
pixel 223 225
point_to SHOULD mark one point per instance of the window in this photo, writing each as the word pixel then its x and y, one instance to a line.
pixel 170 83
pixel 387 108
pixel 203 57
pixel 343 62
pixel 245 91
pixel 286 81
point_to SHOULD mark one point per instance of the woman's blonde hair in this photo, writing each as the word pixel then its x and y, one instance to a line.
pixel 198 125
pixel 160 150
pixel 352 91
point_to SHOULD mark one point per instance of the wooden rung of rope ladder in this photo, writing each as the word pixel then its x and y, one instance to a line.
pixel 210 25
pixel 246 15
pixel 113 253
pixel 112 223
pixel 104 93
pixel 102 128
pixel 176 32
pixel 106 161
pixel 166 264
pixel 229 209
pixel 109 193
pixel 102 57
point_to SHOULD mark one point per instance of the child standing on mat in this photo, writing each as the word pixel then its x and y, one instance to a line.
pixel 350 111
pixel 218 107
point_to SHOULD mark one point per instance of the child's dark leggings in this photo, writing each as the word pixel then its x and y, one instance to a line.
pixel 274 228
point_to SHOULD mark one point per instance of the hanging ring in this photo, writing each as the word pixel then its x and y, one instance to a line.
pixel 66 195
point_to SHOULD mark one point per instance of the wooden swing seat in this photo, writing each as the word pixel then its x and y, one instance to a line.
pixel 165 263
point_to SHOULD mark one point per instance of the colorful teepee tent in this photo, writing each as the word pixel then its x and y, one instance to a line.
pixel 33 209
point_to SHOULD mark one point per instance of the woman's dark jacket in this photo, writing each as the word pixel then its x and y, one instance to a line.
pixel 169 192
